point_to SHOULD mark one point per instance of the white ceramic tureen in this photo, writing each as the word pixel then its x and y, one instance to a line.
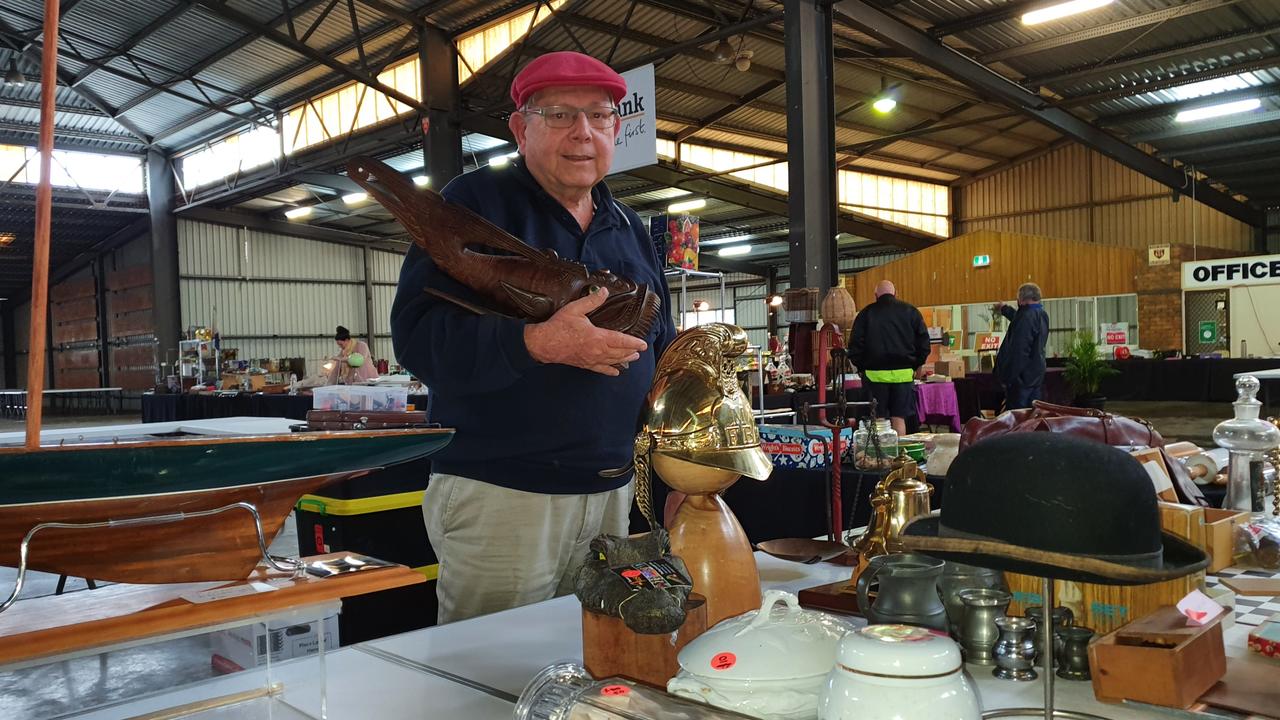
pixel 769 663
pixel 901 672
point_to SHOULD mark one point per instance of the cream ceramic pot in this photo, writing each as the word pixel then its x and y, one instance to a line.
pixel 770 663
pixel 899 672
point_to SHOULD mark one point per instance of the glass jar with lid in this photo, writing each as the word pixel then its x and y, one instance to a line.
pixel 875 445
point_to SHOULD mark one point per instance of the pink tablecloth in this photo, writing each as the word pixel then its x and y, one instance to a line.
pixel 936 403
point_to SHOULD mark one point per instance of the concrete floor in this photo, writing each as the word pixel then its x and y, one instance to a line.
pixel 66 686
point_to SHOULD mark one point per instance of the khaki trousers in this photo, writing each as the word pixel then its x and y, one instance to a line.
pixel 501 548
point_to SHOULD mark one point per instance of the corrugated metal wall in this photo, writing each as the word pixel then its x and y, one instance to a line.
pixel 1077 194
pixel 273 296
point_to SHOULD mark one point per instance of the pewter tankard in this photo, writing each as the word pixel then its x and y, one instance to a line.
pixel 908 592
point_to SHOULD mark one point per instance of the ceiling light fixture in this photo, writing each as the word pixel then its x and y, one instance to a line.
pixel 1061 10
pixel 298 212
pixel 734 250
pixel 701 305
pixel 1213 111
pixel 355 198
pixel 884 104
pixel 775 300
pixel 499 161
pixel 723 54
pixel 421 180
pixel 14 76
pixel 687 205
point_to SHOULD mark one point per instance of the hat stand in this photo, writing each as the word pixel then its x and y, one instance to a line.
pixel 1047 712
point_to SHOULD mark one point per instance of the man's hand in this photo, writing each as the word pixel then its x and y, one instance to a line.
pixel 569 338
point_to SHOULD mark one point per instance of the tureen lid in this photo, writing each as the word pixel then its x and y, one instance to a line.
pixel 772 643
pixel 899 651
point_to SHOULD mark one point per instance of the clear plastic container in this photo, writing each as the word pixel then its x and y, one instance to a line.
pixel 566 691
pixel 360 398
pixel 875 447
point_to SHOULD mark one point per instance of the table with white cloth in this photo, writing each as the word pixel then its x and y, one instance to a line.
pixel 475 669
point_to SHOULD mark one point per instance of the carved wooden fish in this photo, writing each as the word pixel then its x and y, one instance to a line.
pixel 514 278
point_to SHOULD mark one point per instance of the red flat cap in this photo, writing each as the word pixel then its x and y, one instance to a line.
pixel 559 69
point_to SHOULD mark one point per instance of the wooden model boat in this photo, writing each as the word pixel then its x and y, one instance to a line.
pixel 150 508
pixel 151 476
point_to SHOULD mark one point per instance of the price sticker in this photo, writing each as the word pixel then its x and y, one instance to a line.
pixel 724 661
pixel 615 690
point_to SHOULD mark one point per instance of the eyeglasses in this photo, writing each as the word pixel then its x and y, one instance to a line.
pixel 563 116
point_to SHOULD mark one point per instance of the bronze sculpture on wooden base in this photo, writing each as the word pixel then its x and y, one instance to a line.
pixel 699 436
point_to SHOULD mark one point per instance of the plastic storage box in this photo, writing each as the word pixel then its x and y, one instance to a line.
pixel 360 397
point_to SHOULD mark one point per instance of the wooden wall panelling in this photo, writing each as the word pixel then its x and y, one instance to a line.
pixel 944 274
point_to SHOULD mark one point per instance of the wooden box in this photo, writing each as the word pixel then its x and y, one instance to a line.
pixel 610 648
pixel 1101 607
pixel 1219 533
pixel 1185 521
pixel 1158 660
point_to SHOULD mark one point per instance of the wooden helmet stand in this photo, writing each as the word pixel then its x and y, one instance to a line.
pixel 699 437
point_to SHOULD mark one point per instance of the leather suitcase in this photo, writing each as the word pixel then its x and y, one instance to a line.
pixel 358 420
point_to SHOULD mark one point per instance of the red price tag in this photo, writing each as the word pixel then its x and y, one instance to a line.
pixel 724 661
pixel 615 690
pixel 630 573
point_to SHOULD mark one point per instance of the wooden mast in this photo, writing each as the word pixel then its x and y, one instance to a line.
pixel 44 224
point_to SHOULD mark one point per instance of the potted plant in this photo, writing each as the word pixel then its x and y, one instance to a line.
pixel 1085 371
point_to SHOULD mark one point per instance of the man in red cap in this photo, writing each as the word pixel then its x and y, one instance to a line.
pixel 539 408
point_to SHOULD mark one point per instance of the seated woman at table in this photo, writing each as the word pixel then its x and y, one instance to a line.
pixel 352 364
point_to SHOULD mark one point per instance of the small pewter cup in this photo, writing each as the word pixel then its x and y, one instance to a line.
pixel 978 631
pixel 1062 617
pixel 1073 656
pixel 1015 651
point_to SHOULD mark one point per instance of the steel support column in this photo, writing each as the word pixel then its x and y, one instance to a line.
pixel 811 144
pixel 442 134
pixel 164 253
pixel 771 289
pixel 370 328
pixel 9 338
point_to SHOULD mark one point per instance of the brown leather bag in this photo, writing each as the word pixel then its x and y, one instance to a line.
pixel 361 420
pixel 1084 423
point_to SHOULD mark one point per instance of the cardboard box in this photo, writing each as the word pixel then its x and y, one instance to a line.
pixel 953 368
pixel 788 447
pixel 251 645
pixel 1220 528
pixel 1101 607
pixel 1159 660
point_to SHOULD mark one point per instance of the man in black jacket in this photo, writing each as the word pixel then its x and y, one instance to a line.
pixel 1020 362
pixel 889 343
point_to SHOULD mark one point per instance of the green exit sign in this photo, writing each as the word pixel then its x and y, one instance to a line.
pixel 981 260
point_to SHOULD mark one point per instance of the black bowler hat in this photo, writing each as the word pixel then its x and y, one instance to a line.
pixel 1055 506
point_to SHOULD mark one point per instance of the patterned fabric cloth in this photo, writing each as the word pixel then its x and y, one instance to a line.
pixel 938 400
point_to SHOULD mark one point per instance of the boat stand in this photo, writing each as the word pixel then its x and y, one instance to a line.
pixel 281 564
pixel 1046 651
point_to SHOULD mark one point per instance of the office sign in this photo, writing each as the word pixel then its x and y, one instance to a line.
pixel 637 141
pixel 1231 272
